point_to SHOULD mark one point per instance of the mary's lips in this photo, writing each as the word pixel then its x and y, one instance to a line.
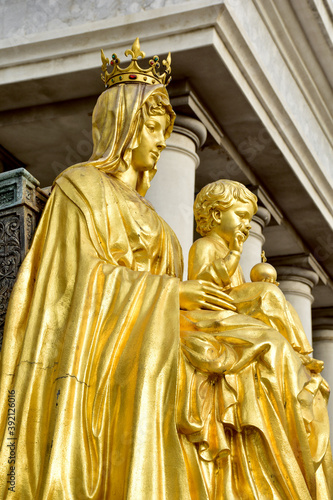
pixel 155 155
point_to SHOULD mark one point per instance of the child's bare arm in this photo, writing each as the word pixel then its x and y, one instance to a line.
pixel 231 261
pixel 232 258
pixel 204 265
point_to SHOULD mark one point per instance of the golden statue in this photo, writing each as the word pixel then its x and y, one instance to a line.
pixel 125 382
pixel 223 211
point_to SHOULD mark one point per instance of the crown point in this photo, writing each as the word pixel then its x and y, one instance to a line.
pixel 136 51
pixel 133 73
pixel 136 45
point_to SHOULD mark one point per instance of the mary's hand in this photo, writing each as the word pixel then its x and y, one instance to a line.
pixel 199 294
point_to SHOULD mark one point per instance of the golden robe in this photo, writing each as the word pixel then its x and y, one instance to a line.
pixel 91 349
pixel 119 395
pixel 256 413
pixel 260 300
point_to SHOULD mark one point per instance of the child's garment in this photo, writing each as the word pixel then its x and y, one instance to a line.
pixel 260 300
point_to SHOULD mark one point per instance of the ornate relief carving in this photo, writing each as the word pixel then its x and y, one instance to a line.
pixel 10 260
pixel 7 196
pixel 29 194
pixel 21 205
pixel 29 229
pixel 40 203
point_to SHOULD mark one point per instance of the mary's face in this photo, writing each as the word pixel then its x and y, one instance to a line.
pixel 152 143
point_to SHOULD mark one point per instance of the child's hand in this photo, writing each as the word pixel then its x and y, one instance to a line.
pixel 237 243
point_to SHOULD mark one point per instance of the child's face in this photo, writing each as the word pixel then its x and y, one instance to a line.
pixel 234 222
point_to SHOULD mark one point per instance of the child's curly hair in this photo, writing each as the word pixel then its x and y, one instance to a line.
pixel 219 195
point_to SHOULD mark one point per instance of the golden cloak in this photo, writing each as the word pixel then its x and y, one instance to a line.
pixel 120 395
pixel 92 349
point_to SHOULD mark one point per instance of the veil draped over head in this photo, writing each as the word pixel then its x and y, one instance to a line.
pixel 116 125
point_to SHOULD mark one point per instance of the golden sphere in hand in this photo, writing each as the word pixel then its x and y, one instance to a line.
pixel 263 272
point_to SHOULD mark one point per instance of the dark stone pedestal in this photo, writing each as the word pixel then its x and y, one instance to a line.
pixel 21 204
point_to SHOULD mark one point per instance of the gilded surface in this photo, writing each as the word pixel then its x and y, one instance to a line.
pixel 260 423
pixel 130 384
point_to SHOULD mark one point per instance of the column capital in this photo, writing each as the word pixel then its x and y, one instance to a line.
pixel 262 216
pixel 187 136
pixel 297 283
pixel 299 274
pixel 259 221
pixel 322 319
pixel 192 128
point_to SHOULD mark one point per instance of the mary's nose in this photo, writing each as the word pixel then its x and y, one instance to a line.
pixel 161 144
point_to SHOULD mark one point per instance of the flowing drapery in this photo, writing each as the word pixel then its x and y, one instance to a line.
pixel 256 415
pixel 91 350
pixel 120 395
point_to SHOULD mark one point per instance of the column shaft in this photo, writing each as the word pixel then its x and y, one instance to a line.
pixel 251 254
pixel 323 348
pixel 297 283
pixel 172 189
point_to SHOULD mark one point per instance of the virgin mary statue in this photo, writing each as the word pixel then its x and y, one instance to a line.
pixel 120 381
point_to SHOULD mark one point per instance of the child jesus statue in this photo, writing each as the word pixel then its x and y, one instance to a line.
pixel 223 211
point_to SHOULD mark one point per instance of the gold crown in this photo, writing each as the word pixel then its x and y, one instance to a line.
pixel 133 73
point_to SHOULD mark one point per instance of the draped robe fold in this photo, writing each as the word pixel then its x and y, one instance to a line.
pixel 119 395
pixel 92 350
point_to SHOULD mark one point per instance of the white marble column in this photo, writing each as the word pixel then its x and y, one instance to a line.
pixel 323 348
pixel 172 189
pixel 252 249
pixel 297 283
